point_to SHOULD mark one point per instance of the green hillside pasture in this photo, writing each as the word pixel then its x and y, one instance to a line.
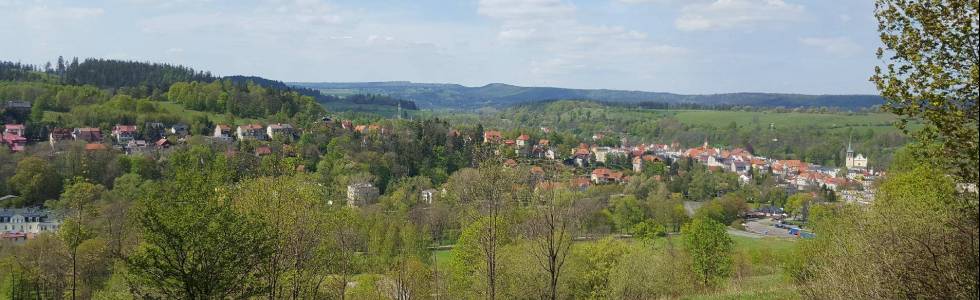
pixel 792 119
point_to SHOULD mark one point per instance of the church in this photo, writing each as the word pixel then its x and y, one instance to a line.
pixel 855 162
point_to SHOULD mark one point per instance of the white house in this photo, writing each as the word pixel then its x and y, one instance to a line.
pixel 27 221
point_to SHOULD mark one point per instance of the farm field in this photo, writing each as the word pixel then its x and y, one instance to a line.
pixel 828 120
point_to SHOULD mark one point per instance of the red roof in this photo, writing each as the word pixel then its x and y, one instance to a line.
pixel 581 182
pixel 523 137
pixel 124 128
pixel 251 127
pixel 491 135
pixel 94 147
pixel 14 126
pixel 264 150
pixel 537 170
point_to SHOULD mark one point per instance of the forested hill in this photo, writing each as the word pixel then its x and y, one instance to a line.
pixel 437 95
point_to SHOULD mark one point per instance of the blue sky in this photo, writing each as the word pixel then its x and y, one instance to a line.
pixel 692 46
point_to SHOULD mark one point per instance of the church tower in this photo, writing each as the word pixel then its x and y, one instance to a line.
pixel 849 162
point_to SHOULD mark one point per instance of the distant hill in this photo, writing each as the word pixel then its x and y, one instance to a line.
pixel 440 95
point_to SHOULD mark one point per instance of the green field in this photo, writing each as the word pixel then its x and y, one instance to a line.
pixel 763 255
pixel 787 119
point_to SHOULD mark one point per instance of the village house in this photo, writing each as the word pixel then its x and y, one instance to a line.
pixel 154 130
pixel 492 136
pixel 361 194
pixel 124 133
pixel 603 175
pixel 180 130
pixel 88 134
pixel 581 183
pixel 162 143
pixel 222 132
pixel 428 196
pixel 136 146
pixel 14 129
pixel 250 132
pixel 26 222
pixel 263 150
pixel 18 106
pixel 13 136
pixel 92 147
pixel 58 135
pixel 522 140
pixel 279 130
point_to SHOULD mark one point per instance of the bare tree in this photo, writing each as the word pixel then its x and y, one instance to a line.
pixel 490 193
pixel 550 230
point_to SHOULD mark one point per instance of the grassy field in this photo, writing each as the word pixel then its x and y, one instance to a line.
pixel 744 118
pixel 763 255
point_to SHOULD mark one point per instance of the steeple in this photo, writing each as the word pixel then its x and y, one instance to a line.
pixel 705 146
pixel 850 151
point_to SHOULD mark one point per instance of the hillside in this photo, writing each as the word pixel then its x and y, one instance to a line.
pixel 438 95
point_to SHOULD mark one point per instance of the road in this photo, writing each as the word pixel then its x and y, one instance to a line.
pixel 764 227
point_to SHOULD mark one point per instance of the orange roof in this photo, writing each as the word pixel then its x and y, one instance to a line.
pixel 537 170
pixel 523 137
pixel 492 134
pixel 93 147
pixel 581 182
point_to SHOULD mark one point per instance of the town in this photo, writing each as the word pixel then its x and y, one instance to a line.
pixel 590 163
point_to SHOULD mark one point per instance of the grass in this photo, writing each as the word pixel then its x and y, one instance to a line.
pixel 789 119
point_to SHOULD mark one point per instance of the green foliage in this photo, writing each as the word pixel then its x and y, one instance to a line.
pixel 917 240
pixel 625 212
pixel 725 209
pixel 36 181
pixel 594 265
pixel 194 243
pixel 931 73
pixel 710 248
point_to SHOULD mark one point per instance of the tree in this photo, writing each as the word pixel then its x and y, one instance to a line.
pixel 550 229
pixel 36 180
pixel 491 195
pixel 626 212
pixel 293 209
pixel 930 49
pixel 195 244
pixel 797 204
pixel 710 248
pixel 917 240
pixel 77 204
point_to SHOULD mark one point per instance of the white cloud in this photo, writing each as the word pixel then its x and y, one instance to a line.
pixel 556 43
pixel 840 46
pixel 723 14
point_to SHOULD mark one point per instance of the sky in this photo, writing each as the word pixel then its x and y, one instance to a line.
pixel 680 46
